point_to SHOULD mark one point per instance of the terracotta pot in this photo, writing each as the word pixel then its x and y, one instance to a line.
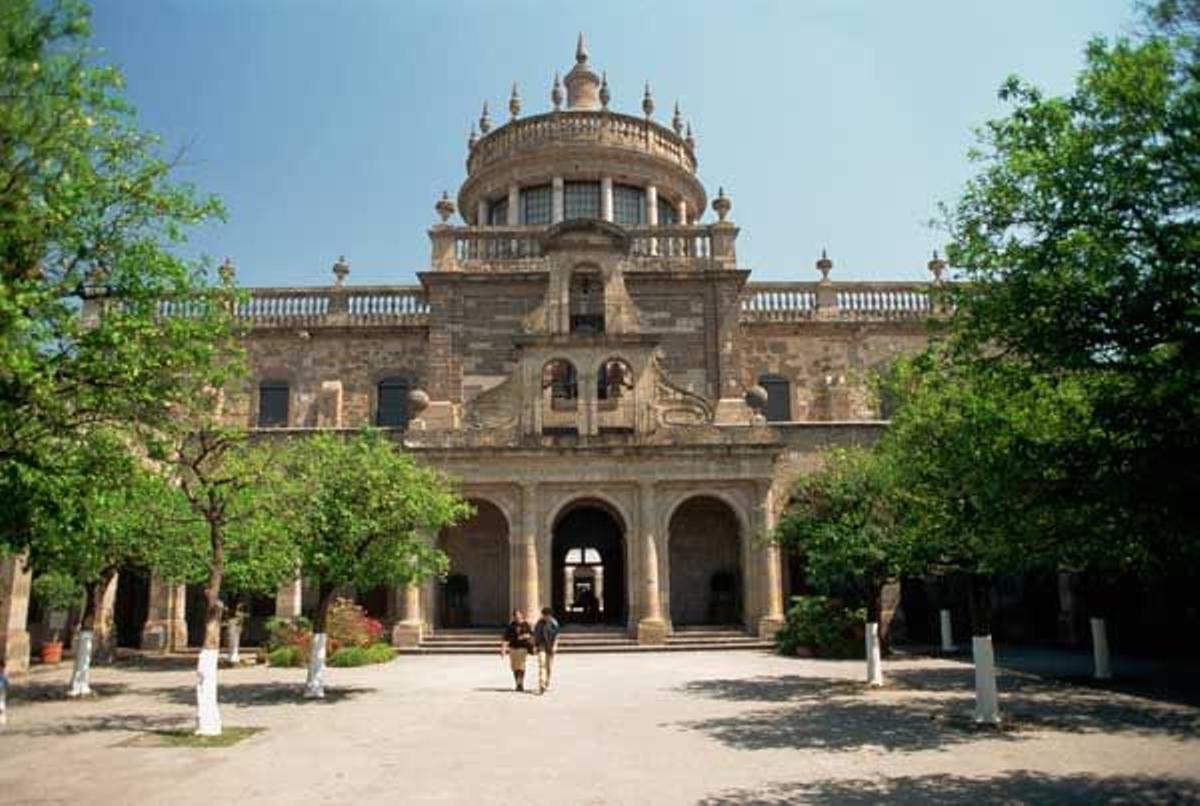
pixel 52 652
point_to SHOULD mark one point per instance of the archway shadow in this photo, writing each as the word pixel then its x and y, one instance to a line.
pixel 1018 786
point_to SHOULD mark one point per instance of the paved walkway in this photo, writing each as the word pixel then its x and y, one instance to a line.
pixel 657 729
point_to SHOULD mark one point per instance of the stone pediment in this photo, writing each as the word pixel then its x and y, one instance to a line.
pixel 586 235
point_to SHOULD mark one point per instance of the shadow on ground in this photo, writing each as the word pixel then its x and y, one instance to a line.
pixel 54 690
pixel 1014 787
pixel 70 725
pixel 243 695
pixel 922 709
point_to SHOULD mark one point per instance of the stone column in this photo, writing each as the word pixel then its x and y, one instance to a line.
pixel 556 200
pixel 771 576
pixel 525 556
pixel 407 631
pixel 682 212
pixel 606 198
pixel 514 205
pixel 481 213
pixel 166 618
pixel 652 629
pixel 652 214
pixel 15 581
pixel 289 601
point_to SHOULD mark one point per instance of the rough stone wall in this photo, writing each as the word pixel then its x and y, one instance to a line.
pixel 829 365
pixel 678 311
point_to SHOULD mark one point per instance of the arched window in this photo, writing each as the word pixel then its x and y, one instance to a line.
pixel 779 398
pixel 614 380
pixel 587 302
pixel 273 404
pixel 391 410
pixel 559 377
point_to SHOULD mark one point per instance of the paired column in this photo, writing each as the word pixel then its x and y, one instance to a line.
pixel 682 212
pixel 514 205
pixel 481 213
pixel 524 554
pixel 556 200
pixel 652 628
pixel 166 619
pixel 15 580
pixel 652 214
pixel 771 574
pixel 606 198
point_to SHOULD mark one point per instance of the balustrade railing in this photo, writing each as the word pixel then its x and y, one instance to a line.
pixel 793 302
pixel 293 307
pixel 599 127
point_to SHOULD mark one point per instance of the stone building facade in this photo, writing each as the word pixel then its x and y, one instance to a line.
pixel 624 406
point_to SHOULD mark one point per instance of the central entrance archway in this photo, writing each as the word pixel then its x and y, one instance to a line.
pixel 589 565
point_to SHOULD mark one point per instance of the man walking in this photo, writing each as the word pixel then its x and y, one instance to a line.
pixel 545 639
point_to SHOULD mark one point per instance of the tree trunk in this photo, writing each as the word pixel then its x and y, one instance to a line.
pixel 233 639
pixel 314 686
pixel 947 629
pixel 874 611
pixel 987 706
pixel 1097 595
pixel 81 674
pixel 208 714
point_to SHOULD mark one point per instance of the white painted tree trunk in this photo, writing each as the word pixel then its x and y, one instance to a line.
pixel 233 639
pixel 208 714
pixel 315 686
pixel 987 704
pixel 1101 669
pixel 947 631
pixel 82 673
pixel 3 701
pixel 874 657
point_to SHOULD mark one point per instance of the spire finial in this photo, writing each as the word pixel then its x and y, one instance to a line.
pixel 722 204
pixel 581 53
pixel 648 102
pixel 341 270
pixel 485 120
pixel 514 103
pixel 937 267
pixel 689 139
pixel 556 93
pixel 824 265
pixel 473 138
pixel 605 95
pixel 677 120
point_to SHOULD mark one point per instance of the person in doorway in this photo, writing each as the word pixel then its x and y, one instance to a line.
pixel 516 645
pixel 545 639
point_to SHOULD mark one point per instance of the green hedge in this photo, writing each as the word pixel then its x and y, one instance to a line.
pixel 285 656
pixel 823 626
pixel 362 656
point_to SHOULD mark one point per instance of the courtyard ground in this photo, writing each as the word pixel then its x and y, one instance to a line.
pixel 661 728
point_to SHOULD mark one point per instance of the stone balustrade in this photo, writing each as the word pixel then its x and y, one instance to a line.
pixel 591 128
pixel 855 301
pixel 492 248
pixel 336 305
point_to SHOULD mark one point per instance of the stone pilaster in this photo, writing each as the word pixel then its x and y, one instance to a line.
pixel 771 575
pixel 166 619
pixel 15 580
pixel 406 633
pixel 525 555
pixel 557 206
pixel 289 602
pixel 606 198
pixel 652 628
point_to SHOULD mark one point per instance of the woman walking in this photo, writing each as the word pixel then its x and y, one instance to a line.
pixel 516 644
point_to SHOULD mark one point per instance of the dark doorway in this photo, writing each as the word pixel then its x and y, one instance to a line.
pixel 131 607
pixel 705 563
pixel 589 566
pixel 196 614
pixel 476 591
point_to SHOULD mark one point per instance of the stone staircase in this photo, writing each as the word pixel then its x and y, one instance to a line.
pixel 575 639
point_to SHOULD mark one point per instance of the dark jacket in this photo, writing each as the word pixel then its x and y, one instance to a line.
pixel 545 633
pixel 519 635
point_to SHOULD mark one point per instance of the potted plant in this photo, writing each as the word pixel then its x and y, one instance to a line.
pixel 56 592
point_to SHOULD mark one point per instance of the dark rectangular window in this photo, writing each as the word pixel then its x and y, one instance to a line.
pixel 779 398
pixel 535 205
pixel 498 213
pixel 581 200
pixel 629 205
pixel 392 411
pixel 273 405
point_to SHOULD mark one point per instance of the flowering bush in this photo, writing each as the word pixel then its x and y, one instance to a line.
pixel 824 627
pixel 349 625
pixel 289 641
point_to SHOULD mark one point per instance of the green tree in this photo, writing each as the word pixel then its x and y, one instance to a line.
pixel 363 517
pixel 94 514
pixel 89 220
pixel 228 524
pixel 842 518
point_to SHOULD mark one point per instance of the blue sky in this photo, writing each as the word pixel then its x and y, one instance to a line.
pixel 331 128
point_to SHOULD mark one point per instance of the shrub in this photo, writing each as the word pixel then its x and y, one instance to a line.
pixel 362 656
pixel 349 626
pixel 286 656
pixel 824 626
pixel 283 632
